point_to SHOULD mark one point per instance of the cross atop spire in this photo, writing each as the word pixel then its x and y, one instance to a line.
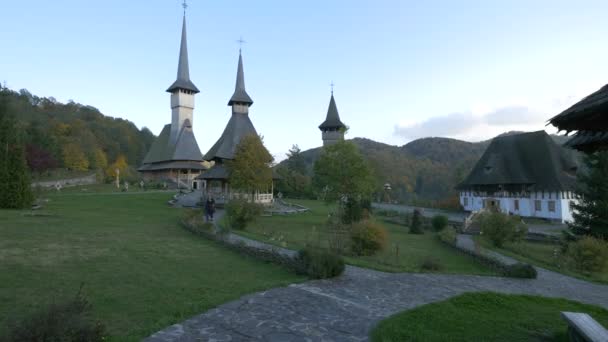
pixel 241 42
pixel 332 87
pixel 185 6
pixel 183 69
pixel 240 94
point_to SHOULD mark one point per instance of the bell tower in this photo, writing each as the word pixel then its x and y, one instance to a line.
pixel 182 90
pixel 332 129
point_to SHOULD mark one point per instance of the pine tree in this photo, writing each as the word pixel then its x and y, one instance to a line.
pixel 591 213
pixel 15 185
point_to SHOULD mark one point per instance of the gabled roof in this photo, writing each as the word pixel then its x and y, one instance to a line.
pixel 238 126
pixel 240 94
pixel 185 148
pixel 183 69
pixel 532 159
pixel 332 120
pixel 589 114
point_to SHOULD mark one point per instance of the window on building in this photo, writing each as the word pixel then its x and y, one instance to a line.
pixel 552 206
pixel 466 201
pixel 537 206
pixel 516 204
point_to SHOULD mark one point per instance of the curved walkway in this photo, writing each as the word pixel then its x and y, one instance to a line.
pixel 346 308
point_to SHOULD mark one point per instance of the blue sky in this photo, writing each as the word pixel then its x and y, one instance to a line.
pixel 402 69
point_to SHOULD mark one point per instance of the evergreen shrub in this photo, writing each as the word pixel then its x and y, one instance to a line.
pixel 439 222
pixel 431 264
pixel 520 270
pixel 320 264
pixel 240 213
pixel 416 224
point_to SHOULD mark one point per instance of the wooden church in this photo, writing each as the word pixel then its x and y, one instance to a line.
pixel 216 179
pixel 174 156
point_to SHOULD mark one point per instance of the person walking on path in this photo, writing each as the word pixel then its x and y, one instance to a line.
pixel 209 209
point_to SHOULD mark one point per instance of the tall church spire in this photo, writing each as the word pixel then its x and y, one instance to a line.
pixel 332 128
pixel 240 95
pixel 183 69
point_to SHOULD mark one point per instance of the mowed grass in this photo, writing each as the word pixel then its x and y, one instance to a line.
pixel 141 271
pixel 404 252
pixel 485 317
pixel 546 255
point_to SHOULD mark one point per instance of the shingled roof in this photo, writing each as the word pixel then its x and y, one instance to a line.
pixel 589 117
pixel 184 149
pixel 589 114
pixel 238 126
pixel 183 69
pixel 531 159
pixel 240 94
pixel 332 120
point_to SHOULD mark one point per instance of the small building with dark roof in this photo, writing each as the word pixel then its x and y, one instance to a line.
pixel 175 156
pixel 332 129
pixel 524 174
pixel 239 126
pixel 589 118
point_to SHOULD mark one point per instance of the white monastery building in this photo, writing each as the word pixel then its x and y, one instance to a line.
pixel 524 174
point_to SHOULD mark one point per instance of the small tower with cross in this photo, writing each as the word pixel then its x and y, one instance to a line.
pixel 332 129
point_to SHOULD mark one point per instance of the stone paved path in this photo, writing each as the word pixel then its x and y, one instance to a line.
pixel 347 308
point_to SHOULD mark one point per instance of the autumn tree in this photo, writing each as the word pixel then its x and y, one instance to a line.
pixel 342 174
pixel 591 212
pixel 74 158
pixel 250 169
pixel 15 187
pixel 121 165
pixel 99 161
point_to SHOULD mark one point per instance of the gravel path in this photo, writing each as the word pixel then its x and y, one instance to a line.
pixel 347 308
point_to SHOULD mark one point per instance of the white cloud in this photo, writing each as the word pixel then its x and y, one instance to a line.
pixel 475 125
pixel 514 115
pixel 449 125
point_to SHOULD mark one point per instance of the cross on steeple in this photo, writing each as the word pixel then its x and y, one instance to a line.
pixel 241 42
pixel 332 87
pixel 185 6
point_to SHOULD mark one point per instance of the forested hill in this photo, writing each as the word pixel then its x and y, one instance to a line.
pixel 75 136
pixel 425 169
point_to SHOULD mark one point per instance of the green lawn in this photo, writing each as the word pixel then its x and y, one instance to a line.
pixel 485 317
pixel 141 271
pixel 295 231
pixel 545 255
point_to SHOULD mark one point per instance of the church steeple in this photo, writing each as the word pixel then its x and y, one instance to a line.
pixel 240 96
pixel 332 128
pixel 183 69
pixel 182 91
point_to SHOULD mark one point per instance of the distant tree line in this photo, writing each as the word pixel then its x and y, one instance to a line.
pixel 423 172
pixel 75 137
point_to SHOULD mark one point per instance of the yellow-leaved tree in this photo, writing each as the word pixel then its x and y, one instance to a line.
pixel 73 158
pixel 119 164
